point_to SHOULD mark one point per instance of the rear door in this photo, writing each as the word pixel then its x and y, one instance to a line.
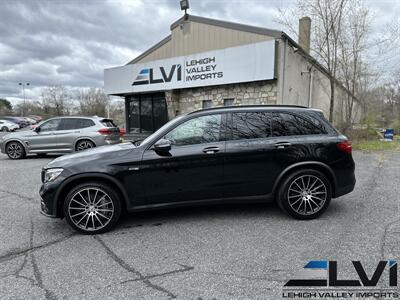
pixel 70 131
pixel 250 168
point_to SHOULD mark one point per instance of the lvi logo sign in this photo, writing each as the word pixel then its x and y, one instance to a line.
pixel 330 269
pixel 146 76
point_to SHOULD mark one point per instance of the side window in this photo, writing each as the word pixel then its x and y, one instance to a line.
pixel 84 123
pixel 50 125
pixel 251 125
pixel 205 129
pixel 286 124
pixel 69 124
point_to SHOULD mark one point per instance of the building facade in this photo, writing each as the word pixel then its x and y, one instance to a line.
pixel 207 63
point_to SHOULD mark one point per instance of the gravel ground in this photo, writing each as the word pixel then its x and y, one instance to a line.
pixel 222 252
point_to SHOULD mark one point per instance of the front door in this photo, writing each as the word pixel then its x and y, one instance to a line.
pixel 45 138
pixel 193 169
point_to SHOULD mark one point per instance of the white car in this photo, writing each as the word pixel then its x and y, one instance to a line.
pixel 8 126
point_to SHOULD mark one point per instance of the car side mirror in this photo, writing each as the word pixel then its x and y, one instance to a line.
pixel 36 129
pixel 162 146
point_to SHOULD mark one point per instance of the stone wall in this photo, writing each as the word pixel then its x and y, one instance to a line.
pixel 252 93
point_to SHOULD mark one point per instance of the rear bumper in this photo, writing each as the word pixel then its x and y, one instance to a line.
pixel 343 190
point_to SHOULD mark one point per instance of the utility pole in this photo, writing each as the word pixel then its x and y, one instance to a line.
pixel 23 93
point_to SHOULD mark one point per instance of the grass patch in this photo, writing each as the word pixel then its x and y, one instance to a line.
pixel 376 145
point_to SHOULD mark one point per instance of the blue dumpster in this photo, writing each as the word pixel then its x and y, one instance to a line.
pixel 388 134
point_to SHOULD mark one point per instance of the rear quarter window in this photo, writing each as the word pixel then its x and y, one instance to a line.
pixel 107 123
pixel 287 124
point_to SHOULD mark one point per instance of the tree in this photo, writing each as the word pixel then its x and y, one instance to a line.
pixel 327 17
pixel 93 102
pixel 56 100
pixel 5 107
pixel 353 70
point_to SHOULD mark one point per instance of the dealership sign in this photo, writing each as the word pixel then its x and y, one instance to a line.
pixel 231 65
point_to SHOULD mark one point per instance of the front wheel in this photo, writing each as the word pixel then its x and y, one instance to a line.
pixel 92 208
pixel 305 194
pixel 15 150
pixel 4 129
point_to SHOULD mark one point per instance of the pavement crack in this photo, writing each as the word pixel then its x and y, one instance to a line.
pixel 183 269
pixel 37 280
pixel 18 195
pixel 132 270
pixel 18 252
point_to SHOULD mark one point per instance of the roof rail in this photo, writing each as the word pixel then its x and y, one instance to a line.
pixel 248 106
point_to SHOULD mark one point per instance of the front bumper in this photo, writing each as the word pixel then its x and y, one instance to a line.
pixel 48 202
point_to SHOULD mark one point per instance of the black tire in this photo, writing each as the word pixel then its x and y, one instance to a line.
pixel 4 129
pixel 83 145
pixel 92 215
pixel 15 150
pixel 300 197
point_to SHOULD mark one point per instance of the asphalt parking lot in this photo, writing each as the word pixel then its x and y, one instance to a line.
pixel 213 252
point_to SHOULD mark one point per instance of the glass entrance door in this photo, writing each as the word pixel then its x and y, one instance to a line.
pixel 146 113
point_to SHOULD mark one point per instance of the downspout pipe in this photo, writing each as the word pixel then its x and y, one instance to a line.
pixel 310 87
pixel 285 45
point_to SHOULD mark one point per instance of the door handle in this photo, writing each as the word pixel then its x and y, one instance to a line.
pixel 282 145
pixel 211 150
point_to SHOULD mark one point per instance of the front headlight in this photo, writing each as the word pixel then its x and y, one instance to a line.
pixel 52 174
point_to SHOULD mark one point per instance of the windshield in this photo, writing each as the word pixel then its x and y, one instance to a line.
pixel 151 137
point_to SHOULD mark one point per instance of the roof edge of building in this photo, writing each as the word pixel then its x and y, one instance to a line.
pixel 317 64
pixel 151 49
pixel 226 24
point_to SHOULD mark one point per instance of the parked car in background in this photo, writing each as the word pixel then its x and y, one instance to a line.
pixel 291 155
pixel 6 125
pixel 61 135
pixel 19 120
pixel 37 118
pixel 30 120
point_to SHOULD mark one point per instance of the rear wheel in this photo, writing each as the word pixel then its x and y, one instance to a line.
pixel 4 129
pixel 15 150
pixel 84 144
pixel 305 194
pixel 92 208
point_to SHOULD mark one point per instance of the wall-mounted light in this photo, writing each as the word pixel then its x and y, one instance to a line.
pixel 184 5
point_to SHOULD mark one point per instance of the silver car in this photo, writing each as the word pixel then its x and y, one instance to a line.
pixel 61 135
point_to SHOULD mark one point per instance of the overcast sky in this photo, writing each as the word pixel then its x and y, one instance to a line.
pixel 70 42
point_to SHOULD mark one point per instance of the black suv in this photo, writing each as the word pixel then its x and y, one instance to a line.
pixel 291 155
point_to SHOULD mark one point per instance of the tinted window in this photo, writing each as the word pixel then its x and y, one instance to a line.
pixel 228 102
pixel 207 103
pixel 199 130
pixel 286 124
pixel 251 125
pixel 108 123
pixel 50 125
pixel 84 123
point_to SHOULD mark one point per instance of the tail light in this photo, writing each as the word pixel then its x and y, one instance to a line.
pixel 105 131
pixel 345 146
pixel 122 132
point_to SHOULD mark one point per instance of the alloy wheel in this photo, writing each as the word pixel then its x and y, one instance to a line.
pixel 83 145
pixel 307 194
pixel 14 150
pixel 91 209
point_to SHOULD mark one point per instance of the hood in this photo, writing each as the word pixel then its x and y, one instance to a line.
pixel 99 153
